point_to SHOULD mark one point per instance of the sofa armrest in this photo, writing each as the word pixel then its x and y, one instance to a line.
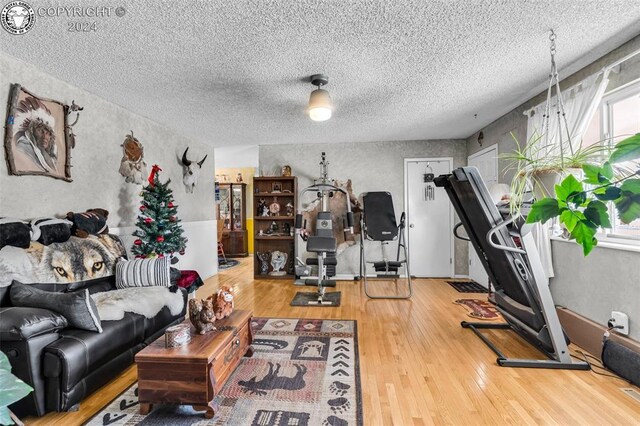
pixel 21 323
pixel 24 333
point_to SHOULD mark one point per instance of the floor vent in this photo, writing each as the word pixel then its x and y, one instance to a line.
pixel 633 393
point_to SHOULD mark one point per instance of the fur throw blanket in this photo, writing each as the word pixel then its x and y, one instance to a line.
pixel 147 301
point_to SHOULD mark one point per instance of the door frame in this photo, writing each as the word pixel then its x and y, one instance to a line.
pixel 484 151
pixel 480 153
pixel 452 254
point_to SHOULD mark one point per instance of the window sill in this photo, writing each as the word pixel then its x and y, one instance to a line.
pixel 634 247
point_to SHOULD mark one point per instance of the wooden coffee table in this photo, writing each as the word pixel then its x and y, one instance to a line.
pixel 194 373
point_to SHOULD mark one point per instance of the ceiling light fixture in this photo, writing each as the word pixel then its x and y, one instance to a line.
pixel 320 106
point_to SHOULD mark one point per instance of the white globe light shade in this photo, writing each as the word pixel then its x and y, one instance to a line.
pixel 320 107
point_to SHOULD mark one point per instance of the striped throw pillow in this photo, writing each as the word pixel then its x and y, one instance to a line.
pixel 143 272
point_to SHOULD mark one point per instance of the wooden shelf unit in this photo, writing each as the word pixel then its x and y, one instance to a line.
pixel 282 190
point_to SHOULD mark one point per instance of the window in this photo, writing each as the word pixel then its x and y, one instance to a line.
pixel 617 118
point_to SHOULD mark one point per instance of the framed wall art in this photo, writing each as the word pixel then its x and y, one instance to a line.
pixel 36 139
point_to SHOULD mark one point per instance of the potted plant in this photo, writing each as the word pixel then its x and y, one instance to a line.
pixel 539 167
pixel 583 209
pixel 12 389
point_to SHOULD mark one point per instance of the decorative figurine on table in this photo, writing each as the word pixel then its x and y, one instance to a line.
pixel 202 315
pixel 262 207
pixel 264 262
pixel 222 302
pixel 286 170
pixel 289 207
pixel 286 228
pixel 274 207
pixel 239 177
pixel 278 262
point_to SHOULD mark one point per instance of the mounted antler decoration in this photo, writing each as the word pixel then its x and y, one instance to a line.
pixel 71 137
pixel 190 172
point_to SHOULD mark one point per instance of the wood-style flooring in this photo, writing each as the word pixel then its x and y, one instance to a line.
pixel 418 366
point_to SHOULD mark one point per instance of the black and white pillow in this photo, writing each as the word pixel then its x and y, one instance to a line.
pixel 143 273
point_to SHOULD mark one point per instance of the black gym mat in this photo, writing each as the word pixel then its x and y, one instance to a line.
pixel 467 287
pixel 303 298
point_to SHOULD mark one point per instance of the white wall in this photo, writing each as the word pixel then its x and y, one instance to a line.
pixel 229 157
pixel 95 162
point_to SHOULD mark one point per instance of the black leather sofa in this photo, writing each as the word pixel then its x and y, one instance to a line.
pixel 65 364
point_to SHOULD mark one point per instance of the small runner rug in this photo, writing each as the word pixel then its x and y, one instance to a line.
pixel 479 309
pixel 467 287
pixel 303 372
pixel 310 298
pixel 230 263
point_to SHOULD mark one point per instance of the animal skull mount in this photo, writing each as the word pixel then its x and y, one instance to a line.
pixel 190 172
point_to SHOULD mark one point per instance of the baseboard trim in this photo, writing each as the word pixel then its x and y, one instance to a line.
pixel 588 334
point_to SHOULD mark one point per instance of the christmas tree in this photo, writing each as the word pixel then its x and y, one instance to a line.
pixel 159 232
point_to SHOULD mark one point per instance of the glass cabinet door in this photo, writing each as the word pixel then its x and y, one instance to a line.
pixel 237 208
pixel 224 207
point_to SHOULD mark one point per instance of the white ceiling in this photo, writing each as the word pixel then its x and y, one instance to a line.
pixel 233 72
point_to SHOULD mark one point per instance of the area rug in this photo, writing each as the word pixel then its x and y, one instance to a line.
pixel 467 287
pixel 479 309
pixel 310 298
pixel 230 263
pixel 304 372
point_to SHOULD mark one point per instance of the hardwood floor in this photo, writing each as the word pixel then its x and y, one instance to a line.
pixel 418 366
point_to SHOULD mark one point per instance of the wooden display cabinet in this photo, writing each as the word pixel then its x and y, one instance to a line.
pixel 274 209
pixel 232 209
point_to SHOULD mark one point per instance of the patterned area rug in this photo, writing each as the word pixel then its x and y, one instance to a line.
pixel 479 309
pixel 467 287
pixel 304 372
pixel 230 263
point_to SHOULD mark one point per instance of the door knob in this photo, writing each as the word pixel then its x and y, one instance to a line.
pixel 411 225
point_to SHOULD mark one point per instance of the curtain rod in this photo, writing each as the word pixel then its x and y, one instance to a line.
pixel 621 60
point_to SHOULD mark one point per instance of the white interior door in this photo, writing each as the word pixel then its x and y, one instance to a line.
pixel 486 161
pixel 429 218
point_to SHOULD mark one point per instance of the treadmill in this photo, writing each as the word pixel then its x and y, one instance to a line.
pixel 508 253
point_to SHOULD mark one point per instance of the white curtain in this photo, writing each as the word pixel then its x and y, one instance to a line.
pixel 580 104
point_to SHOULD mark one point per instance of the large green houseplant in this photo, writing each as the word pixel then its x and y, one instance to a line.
pixel 583 209
pixel 12 389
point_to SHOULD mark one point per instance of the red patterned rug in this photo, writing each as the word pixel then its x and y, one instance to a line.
pixel 479 309
pixel 303 372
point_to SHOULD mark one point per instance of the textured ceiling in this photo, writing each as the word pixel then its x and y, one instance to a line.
pixel 233 72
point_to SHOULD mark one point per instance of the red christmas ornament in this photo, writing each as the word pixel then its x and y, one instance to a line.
pixel 160 238
pixel 148 220
pixel 161 255
pixel 170 205
pixel 172 219
pixel 142 208
pixel 138 242
pixel 139 256
pixel 181 252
